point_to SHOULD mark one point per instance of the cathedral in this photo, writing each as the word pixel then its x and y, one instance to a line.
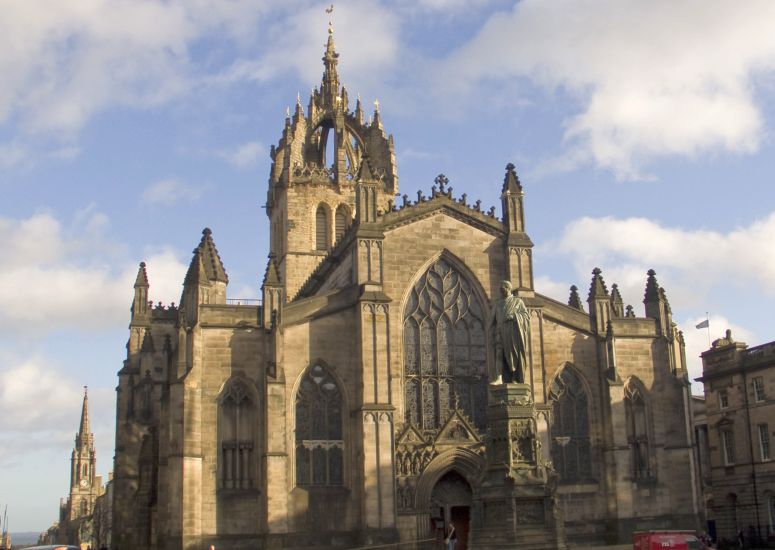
pixel 351 405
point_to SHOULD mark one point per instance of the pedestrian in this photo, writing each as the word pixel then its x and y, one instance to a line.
pixel 451 539
pixel 740 539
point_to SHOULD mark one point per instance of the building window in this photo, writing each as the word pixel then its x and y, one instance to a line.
pixel 758 389
pixel 319 439
pixel 723 399
pixel 236 434
pixel 445 362
pixel 764 441
pixel 341 222
pixel 771 515
pixel 637 431
pixel 571 447
pixel 321 228
pixel 728 447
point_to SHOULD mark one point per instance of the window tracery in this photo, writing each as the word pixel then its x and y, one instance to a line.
pixel 319 436
pixel 571 447
pixel 236 429
pixel 637 431
pixel 445 362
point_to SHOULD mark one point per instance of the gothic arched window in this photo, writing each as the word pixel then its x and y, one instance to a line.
pixel 236 422
pixel 321 228
pixel 341 222
pixel 445 363
pixel 637 431
pixel 571 449
pixel 319 439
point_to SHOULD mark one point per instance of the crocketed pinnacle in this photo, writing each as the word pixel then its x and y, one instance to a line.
pixel 142 276
pixel 574 300
pixel 206 264
pixel 272 275
pixel 616 301
pixel 597 288
pixel 511 182
pixel 652 287
pixel 330 85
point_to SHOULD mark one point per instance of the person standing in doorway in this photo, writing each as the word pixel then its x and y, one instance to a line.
pixel 451 539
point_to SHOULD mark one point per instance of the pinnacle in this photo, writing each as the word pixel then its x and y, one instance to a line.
pixel 652 287
pixel 574 300
pixel 83 431
pixel 142 276
pixel 511 182
pixel 597 288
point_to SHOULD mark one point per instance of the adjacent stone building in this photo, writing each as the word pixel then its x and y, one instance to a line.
pixel 350 406
pixel 740 407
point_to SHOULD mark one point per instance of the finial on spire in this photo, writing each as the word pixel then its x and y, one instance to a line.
pixel 376 105
pixel 330 12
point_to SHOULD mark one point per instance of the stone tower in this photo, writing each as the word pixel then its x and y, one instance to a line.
pixel 82 470
pixel 321 159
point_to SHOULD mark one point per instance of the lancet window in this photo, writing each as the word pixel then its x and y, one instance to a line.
pixel 237 421
pixel 445 362
pixel 341 222
pixel 637 431
pixel 319 431
pixel 321 228
pixel 570 441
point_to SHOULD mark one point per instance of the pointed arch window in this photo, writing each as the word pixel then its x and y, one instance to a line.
pixel 571 447
pixel 637 431
pixel 341 222
pixel 236 427
pixel 319 432
pixel 321 228
pixel 445 363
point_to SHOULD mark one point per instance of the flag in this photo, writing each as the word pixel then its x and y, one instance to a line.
pixel 704 324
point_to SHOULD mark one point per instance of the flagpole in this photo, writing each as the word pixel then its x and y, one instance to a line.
pixel 707 318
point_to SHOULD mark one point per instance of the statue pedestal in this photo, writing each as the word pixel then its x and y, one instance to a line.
pixel 515 505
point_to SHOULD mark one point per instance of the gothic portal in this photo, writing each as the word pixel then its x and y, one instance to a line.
pixel 350 406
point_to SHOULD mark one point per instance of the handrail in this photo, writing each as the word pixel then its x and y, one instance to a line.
pixel 244 301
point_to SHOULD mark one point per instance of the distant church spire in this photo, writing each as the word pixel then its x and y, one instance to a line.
pixel 83 431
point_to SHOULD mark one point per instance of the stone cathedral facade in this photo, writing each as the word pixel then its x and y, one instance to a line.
pixel 350 407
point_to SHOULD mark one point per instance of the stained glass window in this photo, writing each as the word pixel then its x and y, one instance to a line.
pixel 445 362
pixel 571 447
pixel 319 439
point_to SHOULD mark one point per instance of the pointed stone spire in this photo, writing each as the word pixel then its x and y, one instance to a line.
pixel 84 430
pixel 657 306
pixel 574 300
pixel 359 110
pixel 329 87
pixel 376 122
pixel 617 304
pixel 272 275
pixel 140 309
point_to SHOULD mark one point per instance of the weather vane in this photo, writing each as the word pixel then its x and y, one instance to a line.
pixel 330 11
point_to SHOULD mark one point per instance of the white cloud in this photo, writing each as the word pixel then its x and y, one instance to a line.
pixel 697 342
pixel 244 155
pixel 168 191
pixel 653 79
pixel 366 34
pixel 55 276
pixel 12 154
pixel 65 61
pixel 694 260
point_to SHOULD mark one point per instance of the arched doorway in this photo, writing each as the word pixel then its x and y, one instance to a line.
pixel 451 502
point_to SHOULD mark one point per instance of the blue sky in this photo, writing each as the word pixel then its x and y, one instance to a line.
pixel 642 133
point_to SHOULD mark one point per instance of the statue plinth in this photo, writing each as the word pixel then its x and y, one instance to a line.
pixel 515 506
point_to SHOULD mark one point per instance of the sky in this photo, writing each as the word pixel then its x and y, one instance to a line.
pixel 642 133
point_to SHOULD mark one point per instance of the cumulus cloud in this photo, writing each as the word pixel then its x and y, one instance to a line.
pixel 56 276
pixel 40 406
pixel 366 33
pixel 65 61
pixel 244 155
pixel 652 79
pixel 694 259
pixel 169 191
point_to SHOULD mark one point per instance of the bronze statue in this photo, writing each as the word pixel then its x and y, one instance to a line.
pixel 512 320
